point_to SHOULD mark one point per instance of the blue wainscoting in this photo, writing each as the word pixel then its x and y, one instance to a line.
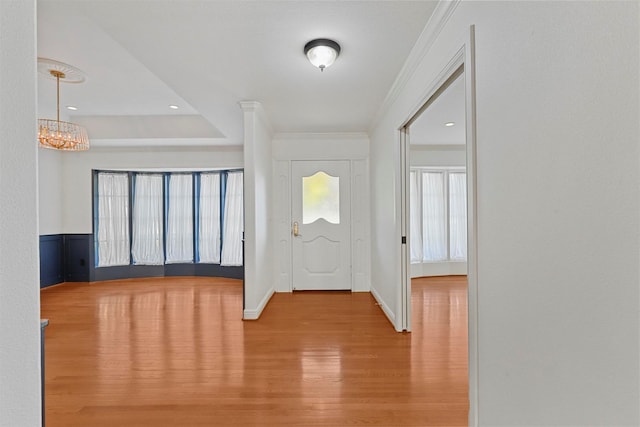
pixel 51 260
pixel 77 257
pixel 64 258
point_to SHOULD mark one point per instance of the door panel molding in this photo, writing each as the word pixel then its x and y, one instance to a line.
pixel 282 222
pixel 321 252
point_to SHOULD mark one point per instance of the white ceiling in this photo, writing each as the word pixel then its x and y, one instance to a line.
pixel 429 128
pixel 206 56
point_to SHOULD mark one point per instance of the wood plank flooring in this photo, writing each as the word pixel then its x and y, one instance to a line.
pixel 175 352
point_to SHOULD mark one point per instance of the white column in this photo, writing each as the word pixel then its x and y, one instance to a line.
pixel 258 259
pixel 19 260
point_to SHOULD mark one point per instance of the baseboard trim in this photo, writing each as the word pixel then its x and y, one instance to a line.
pixel 254 314
pixel 385 308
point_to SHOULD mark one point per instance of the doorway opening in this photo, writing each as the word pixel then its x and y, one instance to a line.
pixel 445 180
pixel 434 171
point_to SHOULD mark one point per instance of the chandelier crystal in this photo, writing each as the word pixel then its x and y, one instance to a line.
pixel 57 134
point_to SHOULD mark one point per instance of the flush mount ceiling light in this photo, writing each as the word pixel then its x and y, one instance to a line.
pixel 322 52
pixel 56 134
pixel 449 124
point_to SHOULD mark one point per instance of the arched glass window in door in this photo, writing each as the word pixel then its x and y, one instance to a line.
pixel 321 198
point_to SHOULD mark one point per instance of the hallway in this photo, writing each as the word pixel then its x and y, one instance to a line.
pixel 174 352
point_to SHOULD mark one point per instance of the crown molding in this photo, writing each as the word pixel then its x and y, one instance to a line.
pixel 165 143
pixel 320 136
pixel 431 31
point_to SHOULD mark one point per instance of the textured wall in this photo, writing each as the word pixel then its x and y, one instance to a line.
pixel 19 290
pixel 557 189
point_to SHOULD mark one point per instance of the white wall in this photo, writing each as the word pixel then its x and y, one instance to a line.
pixel 19 290
pixel 288 147
pixel 77 167
pixel 437 155
pixel 50 191
pixel 258 229
pixel 557 186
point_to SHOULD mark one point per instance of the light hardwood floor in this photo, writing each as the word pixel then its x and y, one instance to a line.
pixel 174 352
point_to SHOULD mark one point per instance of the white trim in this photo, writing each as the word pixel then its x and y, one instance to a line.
pixel 385 308
pixel 320 135
pixel 360 227
pixel 472 226
pixel 404 308
pixel 255 314
pixel 162 143
pixel 431 31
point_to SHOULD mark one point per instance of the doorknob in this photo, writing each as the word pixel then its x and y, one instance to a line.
pixel 295 229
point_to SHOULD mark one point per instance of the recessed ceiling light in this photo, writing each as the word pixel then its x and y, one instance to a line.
pixel 449 124
pixel 72 107
pixel 173 107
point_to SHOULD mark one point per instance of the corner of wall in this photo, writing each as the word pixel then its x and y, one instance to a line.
pixel 258 209
pixel 391 315
pixel 254 314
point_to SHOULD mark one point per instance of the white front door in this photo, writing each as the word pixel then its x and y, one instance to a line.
pixel 321 225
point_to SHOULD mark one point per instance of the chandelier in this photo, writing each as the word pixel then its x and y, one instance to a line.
pixel 56 134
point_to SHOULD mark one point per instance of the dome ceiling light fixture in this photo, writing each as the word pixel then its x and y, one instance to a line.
pixel 56 134
pixel 322 52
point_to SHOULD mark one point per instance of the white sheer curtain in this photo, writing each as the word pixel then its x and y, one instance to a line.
pixel 179 245
pixel 458 216
pixel 113 219
pixel 209 218
pixel 147 220
pixel 433 217
pixel 233 225
pixel 415 212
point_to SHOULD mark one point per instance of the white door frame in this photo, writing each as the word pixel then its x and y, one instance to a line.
pixel 465 59
pixel 353 147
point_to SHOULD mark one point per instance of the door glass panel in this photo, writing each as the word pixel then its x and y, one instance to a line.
pixel 321 198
